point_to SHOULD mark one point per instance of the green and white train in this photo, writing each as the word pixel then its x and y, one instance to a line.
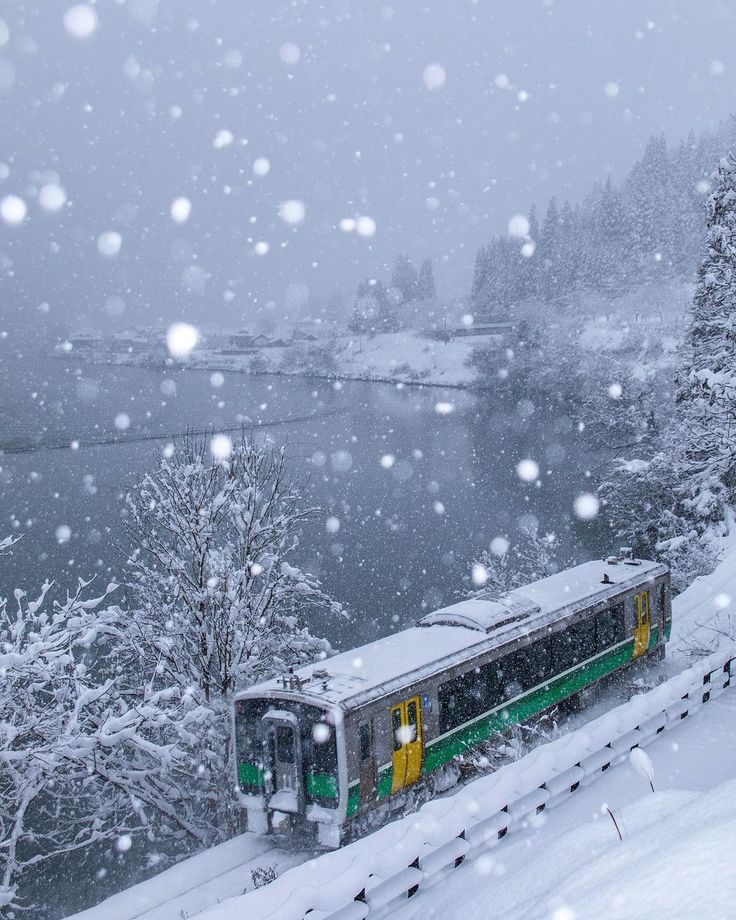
pixel 326 748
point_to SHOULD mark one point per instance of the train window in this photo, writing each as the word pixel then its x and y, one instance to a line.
pixel 582 637
pixel 609 627
pixel 365 741
pixel 563 653
pixel 248 729
pixel 285 744
pixel 515 673
pixel 396 728
pixel 470 695
pixel 618 615
pixel 662 600
pixel 411 718
pixel 540 659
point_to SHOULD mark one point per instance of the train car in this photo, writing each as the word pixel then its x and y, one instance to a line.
pixel 332 747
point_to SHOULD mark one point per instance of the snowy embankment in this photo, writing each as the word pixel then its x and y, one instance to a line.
pixel 398 357
pixel 695 756
pixel 196 883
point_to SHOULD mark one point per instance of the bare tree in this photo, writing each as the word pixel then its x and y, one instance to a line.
pixel 219 602
pixel 82 744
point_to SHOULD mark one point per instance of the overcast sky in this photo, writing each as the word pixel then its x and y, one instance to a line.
pixel 437 121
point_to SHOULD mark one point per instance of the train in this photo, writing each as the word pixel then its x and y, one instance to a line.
pixel 329 750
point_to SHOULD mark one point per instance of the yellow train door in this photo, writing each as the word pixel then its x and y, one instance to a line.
pixel 641 630
pixel 406 735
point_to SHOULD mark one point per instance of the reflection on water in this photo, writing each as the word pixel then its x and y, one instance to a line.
pixel 409 493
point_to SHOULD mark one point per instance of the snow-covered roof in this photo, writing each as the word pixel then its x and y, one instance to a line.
pixel 355 677
pixel 484 615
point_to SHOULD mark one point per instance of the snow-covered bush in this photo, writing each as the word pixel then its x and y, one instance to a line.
pixel 219 604
pixel 532 556
pixel 81 742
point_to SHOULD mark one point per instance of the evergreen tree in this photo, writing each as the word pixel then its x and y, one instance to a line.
pixel 481 280
pixel 425 284
pixel 369 307
pixel 404 279
pixel 672 502
pixel 707 393
pixel 529 267
pixel 549 252
pixel 650 203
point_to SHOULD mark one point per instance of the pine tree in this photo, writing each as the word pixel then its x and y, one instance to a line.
pixel 674 501
pixel 425 284
pixel 650 204
pixel 549 252
pixel 369 307
pixel 404 279
pixel 479 291
pixel 707 393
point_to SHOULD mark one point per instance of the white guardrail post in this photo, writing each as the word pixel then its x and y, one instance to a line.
pixel 417 851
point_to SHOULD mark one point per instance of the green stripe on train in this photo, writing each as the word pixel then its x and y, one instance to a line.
pixel 438 753
pixel 249 774
pixel 322 785
pixel 441 751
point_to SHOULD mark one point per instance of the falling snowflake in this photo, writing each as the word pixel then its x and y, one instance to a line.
pixel 13 209
pixel 261 167
pixel 80 21
pixel 109 243
pixel 292 211
pixel 223 138
pixel 527 470
pixel 289 53
pixel 221 447
pixel 181 208
pixel 365 226
pixel 52 197
pixel 435 76
pixel 181 338
pixel 586 506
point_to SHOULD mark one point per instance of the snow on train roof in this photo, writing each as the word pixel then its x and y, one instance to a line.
pixel 364 673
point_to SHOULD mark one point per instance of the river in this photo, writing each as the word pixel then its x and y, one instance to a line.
pixel 420 479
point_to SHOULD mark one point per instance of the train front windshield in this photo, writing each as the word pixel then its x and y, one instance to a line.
pixel 316 738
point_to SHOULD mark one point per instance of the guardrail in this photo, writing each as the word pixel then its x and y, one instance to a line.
pixel 369 877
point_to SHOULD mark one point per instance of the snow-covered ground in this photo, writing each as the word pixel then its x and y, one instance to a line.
pixel 568 864
pixel 675 861
pixel 197 883
pixel 643 328
pixel 404 357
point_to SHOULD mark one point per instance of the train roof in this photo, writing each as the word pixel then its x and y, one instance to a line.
pixel 454 633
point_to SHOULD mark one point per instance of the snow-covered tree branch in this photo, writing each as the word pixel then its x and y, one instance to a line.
pixel 220 604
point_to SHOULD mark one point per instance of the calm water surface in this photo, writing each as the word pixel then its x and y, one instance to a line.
pixel 409 526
